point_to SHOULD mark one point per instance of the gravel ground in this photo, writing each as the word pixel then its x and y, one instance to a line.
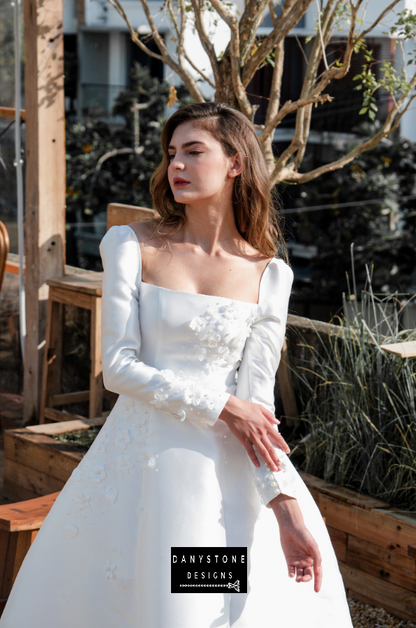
pixel 365 616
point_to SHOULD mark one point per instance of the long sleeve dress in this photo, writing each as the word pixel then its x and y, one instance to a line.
pixel 164 472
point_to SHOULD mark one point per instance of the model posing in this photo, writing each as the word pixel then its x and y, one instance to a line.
pixel 194 314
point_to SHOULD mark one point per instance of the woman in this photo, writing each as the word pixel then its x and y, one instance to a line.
pixel 190 453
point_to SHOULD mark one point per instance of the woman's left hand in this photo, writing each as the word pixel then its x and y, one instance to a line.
pixel 299 547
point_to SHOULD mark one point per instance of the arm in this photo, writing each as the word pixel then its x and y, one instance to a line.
pixel 256 382
pixel 257 373
pixel 299 547
pixel 123 372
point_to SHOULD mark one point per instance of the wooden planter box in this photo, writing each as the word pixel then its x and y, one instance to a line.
pixel 370 538
pixel 371 541
pixel 36 464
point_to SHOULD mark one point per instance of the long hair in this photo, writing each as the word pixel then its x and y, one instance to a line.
pixel 254 210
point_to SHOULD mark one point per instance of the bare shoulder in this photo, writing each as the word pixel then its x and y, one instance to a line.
pixel 253 256
pixel 144 230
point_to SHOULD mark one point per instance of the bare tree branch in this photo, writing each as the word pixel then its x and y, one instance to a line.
pixel 249 23
pixel 239 90
pixel 199 12
pixel 285 24
pixel 180 35
pixel 164 56
pixel 289 107
pixel 391 123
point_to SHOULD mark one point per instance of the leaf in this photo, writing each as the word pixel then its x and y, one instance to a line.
pixel 172 96
pixel 371 115
pixel 309 38
pixel 363 111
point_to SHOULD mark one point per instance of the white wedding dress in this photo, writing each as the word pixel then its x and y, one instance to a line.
pixel 165 472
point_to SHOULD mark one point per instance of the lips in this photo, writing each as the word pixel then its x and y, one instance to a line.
pixel 178 182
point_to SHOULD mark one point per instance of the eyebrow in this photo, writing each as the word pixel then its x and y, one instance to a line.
pixel 187 144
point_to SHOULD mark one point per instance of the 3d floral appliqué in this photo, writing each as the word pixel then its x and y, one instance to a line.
pixel 98 472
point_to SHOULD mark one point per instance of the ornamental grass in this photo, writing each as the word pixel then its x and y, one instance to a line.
pixel 359 403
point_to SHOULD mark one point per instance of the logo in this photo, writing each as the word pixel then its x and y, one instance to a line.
pixel 208 570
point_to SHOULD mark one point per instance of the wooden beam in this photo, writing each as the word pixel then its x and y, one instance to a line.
pixel 45 179
pixel 9 112
pixel 405 349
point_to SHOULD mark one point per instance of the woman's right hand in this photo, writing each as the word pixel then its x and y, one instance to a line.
pixel 252 424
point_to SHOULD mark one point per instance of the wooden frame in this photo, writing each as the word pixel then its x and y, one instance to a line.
pixel 374 546
pixel 36 464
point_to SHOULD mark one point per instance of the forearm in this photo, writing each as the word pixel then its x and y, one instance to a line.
pixel 286 510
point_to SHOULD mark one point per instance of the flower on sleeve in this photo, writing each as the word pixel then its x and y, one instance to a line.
pixel 124 464
pixel 98 472
pixel 122 438
pixel 109 570
pixel 83 501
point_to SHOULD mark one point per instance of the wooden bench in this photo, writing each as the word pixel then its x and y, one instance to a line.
pixel 19 525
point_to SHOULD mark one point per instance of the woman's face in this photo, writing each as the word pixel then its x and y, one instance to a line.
pixel 198 168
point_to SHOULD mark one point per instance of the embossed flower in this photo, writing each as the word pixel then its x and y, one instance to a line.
pixel 210 338
pixel 140 433
pixel 111 494
pixel 159 400
pixel 83 501
pixel 146 458
pixel 70 530
pixel 98 472
pixel 126 406
pixel 109 570
pixel 192 395
pixel 197 324
pixel 200 352
pixel 102 442
pixel 230 311
pixel 124 464
pixel 122 438
pixel 168 375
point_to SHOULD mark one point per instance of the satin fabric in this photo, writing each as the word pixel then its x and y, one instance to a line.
pixel 166 472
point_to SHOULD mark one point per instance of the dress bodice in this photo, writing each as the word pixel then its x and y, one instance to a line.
pixel 178 353
pixel 200 335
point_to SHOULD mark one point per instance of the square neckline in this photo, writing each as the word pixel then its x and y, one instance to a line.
pixel 200 294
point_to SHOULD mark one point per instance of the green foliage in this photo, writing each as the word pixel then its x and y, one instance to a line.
pixel 123 178
pixel 382 224
pixel 360 406
pixel 376 76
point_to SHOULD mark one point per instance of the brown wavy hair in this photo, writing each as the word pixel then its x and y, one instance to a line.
pixel 255 213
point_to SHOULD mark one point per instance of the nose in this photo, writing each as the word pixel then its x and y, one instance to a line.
pixel 176 164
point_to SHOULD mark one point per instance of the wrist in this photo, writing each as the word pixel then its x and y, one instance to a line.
pixel 230 410
pixel 286 510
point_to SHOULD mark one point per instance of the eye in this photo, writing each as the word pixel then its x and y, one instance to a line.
pixel 170 157
pixel 195 152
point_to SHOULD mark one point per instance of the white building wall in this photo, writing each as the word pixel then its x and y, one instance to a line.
pixel 100 15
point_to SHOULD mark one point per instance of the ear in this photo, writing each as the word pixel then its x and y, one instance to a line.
pixel 236 167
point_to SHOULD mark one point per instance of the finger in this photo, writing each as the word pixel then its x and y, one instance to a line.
pixel 269 457
pixel 307 574
pixel 279 440
pixel 318 573
pixel 317 567
pixel 252 454
pixel 299 574
pixel 269 415
pixel 291 571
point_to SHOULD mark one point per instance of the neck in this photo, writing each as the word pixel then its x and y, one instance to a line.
pixel 210 227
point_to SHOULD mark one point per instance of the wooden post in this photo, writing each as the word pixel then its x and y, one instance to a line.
pixel 45 179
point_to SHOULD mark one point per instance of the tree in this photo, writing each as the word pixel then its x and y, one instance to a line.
pixel 370 203
pixel 247 51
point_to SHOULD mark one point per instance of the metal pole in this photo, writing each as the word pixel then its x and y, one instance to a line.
pixel 19 172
